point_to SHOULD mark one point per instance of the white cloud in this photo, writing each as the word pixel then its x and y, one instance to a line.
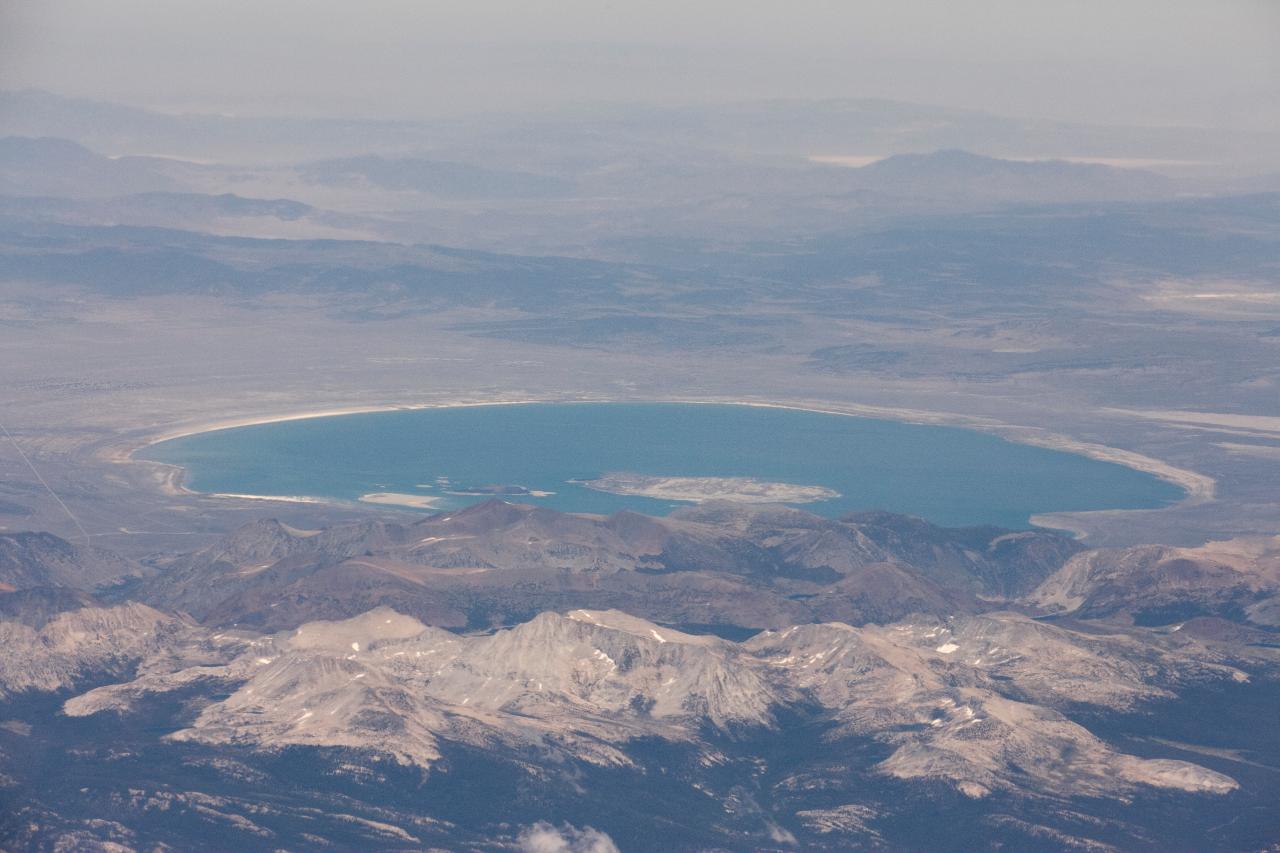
pixel 542 837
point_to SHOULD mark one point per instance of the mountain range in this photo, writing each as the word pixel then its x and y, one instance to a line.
pixel 869 669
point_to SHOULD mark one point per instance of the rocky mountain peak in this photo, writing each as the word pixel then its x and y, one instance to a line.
pixel 359 633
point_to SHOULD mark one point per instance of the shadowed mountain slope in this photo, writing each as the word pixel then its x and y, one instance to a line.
pixel 43 560
pixel 496 563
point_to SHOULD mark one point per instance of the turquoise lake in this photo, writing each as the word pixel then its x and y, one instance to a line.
pixel 948 475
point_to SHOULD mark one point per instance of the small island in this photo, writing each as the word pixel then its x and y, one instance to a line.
pixel 701 489
pixel 498 490
pixel 401 499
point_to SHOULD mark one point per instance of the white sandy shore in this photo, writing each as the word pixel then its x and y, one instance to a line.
pixel 256 420
pixel 294 499
pixel 1199 488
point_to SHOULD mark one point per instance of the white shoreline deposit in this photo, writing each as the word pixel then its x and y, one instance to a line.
pixel 699 489
pixel 294 499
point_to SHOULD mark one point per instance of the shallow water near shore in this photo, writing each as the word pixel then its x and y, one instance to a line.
pixel 564 456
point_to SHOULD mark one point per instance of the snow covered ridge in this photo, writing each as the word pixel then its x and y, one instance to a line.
pixel 977 702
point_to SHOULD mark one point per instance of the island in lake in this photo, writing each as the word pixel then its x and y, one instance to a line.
pixel 401 499
pixel 700 489
pixel 498 490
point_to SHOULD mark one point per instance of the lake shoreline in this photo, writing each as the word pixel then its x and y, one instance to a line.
pixel 1197 488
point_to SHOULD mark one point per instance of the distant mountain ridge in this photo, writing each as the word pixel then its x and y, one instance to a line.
pixel 794 127
pixel 442 178
pixel 962 175
pixel 59 167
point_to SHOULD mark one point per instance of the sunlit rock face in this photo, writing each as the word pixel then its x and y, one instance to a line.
pixel 92 644
pixel 976 702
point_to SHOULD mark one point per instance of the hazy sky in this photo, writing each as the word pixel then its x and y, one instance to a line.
pixel 1208 62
